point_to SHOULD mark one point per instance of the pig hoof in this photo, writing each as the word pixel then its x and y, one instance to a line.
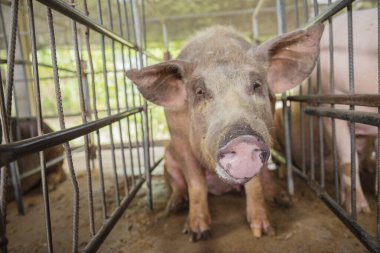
pixel 260 226
pixel 196 235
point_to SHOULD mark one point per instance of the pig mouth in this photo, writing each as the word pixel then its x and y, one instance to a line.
pixel 241 159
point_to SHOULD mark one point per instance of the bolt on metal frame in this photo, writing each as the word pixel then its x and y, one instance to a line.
pixel 130 111
pixel 309 105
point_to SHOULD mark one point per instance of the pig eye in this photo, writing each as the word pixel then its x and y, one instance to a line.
pixel 254 86
pixel 200 92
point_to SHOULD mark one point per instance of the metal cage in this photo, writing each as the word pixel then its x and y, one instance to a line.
pixel 110 111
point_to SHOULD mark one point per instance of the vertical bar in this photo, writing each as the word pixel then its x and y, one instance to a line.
pixel 144 116
pixel 352 124
pixel 62 126
pixel 305 11
pixel 84 121
pixel 3 174
pixel 296 16
pixel 106 88
pixel 37 95
pixel 94 102
pixel 134 92
pixel 332 91
pixel 117 94
pixel 126 92
pixel 11 59
pixel 378 129
pixel 281 23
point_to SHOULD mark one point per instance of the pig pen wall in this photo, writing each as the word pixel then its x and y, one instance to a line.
pixel 312 152
pixel 63 64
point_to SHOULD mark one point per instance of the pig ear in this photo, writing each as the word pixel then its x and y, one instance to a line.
pixel 291 57
pixel 164 83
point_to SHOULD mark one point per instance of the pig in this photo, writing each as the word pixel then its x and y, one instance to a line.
pixel 218 100
pixel 55 175
pixel 366 81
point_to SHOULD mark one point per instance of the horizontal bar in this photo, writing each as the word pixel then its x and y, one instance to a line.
pixel 24 62
pixel 372 100
pixel 103 232
pixel 367 118
pixel 366 239
pixel 65 9
pixel 329 12
pixel 12 151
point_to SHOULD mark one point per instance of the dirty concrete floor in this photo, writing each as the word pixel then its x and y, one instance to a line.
pixel 308 226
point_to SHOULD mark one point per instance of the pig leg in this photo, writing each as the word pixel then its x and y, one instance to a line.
pixel 198 222
pixel 344 152
pixel 256 212
pixel 273 193
pixel 175 179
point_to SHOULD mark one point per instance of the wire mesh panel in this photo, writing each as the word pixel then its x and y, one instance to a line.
pixel 327 117
pixel 69 58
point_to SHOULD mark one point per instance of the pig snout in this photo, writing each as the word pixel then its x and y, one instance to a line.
pixel 241 157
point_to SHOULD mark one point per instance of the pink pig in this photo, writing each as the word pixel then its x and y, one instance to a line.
pixel 218 100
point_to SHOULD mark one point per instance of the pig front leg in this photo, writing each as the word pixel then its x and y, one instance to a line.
pixel 256 211
pixel 344 152
pixel 198 221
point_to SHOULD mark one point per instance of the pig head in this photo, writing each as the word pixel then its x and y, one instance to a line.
pixel 217 99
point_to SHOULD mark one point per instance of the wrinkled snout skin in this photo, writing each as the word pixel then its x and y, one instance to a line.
pixel 218 100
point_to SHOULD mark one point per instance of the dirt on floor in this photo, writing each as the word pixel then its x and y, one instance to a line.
pixel 308 226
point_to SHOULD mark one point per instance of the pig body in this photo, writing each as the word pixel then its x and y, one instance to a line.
pixel 365 50
pixel 218 102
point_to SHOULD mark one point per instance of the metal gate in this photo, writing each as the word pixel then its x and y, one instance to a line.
pixel 109 113
pixel 317 106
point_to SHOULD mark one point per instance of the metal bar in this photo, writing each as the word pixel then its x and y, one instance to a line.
pixel 117 95
pixel 62 126
pixel 10 61
pixel 332 91
pixel 103 232
pixel 37 95
pixel 367 118
pixel 329 12
pixel 94 102
pixel 378 130
pixel 3 175
pixel 26 62
pixel 106 88
pixel 352 107
pixel 12 151
pixel 126 93
pixel 86 137
pixel 366 239
pixel 65 9
pixel 144 116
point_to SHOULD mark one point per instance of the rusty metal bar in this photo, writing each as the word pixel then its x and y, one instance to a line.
pixel 81 88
